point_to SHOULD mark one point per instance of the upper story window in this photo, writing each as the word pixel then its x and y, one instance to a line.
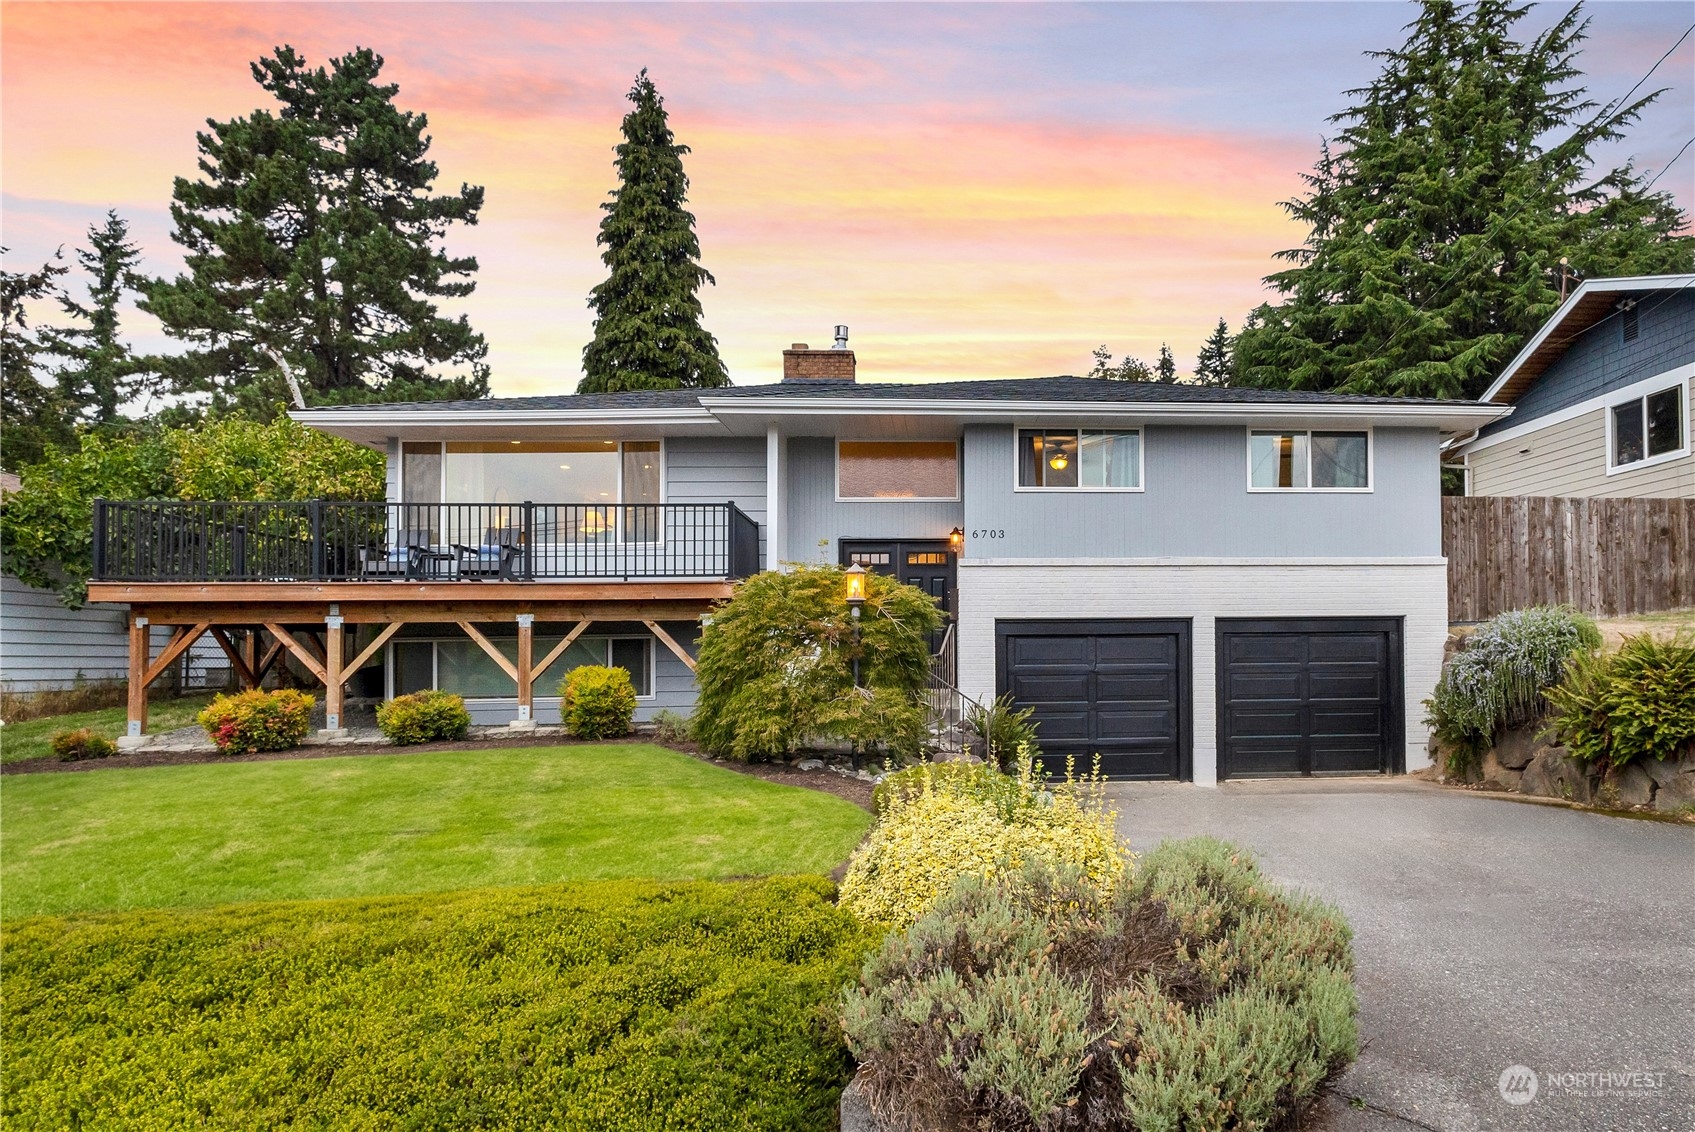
pixel 516 471
pixel 1080 458
pixel 897 469
pixel 1309 461
pixel 1648 427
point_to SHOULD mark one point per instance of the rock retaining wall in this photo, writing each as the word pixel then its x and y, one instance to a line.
pixel 1521 762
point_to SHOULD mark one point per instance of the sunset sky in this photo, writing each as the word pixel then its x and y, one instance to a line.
pixel 977 190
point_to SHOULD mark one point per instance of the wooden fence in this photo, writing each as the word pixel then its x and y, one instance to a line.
pixel 1609 557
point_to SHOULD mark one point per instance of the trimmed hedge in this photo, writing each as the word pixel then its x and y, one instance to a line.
pixel 423 717
pixel 1194 997
pixel 596 702
pixel 606 1006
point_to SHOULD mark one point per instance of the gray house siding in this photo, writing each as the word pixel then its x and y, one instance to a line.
pixel 1196 503
pixel 43 645
pixel 1600 360
pixel 817 521
pixel 717 470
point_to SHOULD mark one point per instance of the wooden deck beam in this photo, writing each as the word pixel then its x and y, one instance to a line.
pixel 420 613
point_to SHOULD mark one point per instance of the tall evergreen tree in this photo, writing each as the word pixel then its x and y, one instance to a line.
pixel 1437 223
pixel 1165 370
pixel 101 372
pixel 314 233
pixel 1215 364
pixel 32 416
pixel 647 332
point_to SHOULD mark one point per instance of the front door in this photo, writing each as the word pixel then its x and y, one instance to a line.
pixel 928 564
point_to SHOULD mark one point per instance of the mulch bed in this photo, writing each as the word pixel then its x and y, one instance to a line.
pixel 854 790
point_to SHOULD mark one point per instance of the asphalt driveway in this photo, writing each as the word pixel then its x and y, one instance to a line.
pixel 1488 934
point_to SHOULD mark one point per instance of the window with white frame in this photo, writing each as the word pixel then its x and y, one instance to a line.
pixel 1080 458
pixel 1644 428
pixel 1309 461
pixel 459 664
pixel 897 469
pixel 572 471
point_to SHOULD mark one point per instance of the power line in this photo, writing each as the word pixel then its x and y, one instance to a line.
pixel 1669 164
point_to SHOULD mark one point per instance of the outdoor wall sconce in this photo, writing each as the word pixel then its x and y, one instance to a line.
pixel 956 540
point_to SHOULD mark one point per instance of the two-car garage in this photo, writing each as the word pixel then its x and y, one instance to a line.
pixel 1309 696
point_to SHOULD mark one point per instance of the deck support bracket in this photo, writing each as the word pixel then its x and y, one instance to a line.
pixel 670 643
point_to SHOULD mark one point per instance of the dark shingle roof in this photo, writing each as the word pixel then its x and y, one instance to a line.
pixel 1082 390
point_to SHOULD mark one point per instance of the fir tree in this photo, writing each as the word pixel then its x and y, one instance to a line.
pixel 314 233
pixel 101 373
pixel 1436 225
pixel 32 415
pixel 1165 370
pixel 647 332
pixel 1216 362
pixel 1129 369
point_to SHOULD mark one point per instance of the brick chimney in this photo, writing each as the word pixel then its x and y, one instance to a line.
pixel 802 363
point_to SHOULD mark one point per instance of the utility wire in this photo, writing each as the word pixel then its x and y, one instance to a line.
pixel 1668 164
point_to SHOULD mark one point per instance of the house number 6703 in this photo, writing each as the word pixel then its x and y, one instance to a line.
pixel 988 534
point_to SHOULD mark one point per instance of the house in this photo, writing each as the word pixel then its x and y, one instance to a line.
pixel 1194 583
pixel 1603 399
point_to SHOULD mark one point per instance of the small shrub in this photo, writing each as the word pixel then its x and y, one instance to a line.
pixel 1619 708
pixel 979 781
pixel 670 727
pixel 1194 996
pixel 1497 679
pixel 257 720
pixel 424 717
pixel 597 702
pixel 1002 731
pixel 82 743
pixel 943 824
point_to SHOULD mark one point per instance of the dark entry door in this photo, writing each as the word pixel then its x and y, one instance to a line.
pixel 1118 689
pixel 1309 697
pixel 928 564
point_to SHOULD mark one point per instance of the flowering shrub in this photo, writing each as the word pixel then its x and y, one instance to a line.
pixel 1190 995
pixel 424 716
pixel 597 702
pixel 82 743
pixel 938 827
pixel 1497 679
pixel 258 721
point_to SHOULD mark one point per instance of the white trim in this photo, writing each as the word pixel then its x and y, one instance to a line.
pixel 1080 488
pixel 1370 463
pixel 1587 287
pixel 1203 560
pixel 958 473
pixel 1572 412
pixel 1623 398
pixel 776 528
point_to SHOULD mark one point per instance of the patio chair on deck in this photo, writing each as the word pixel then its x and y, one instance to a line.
pixel 410 555
pixel 493 557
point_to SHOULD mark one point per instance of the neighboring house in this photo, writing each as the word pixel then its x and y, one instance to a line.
pixel 1192 582
pixel 1602 398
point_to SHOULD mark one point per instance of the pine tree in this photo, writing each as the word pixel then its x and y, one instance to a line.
pixel 313 233
pixel 1165 370
pixel 1437 222
pixel 1215 365
pixel 647 332
pixel 32 415
pixel 101 373
pixel 1129 369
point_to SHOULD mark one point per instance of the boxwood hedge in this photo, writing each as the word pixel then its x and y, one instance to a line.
pixel 614 1005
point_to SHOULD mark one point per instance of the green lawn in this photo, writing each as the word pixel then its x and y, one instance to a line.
pixel 379 824
pixel 28 739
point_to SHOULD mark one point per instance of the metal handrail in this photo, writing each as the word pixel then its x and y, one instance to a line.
pixel 329 540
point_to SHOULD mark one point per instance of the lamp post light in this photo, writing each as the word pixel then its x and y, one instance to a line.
pixel 855 601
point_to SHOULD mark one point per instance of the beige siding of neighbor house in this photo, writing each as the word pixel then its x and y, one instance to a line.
pixel 1570 458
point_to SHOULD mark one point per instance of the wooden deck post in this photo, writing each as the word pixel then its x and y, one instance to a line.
pixel 333 677
pixel 138 650
pixel 526 678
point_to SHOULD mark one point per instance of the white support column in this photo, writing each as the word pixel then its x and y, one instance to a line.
pixel 776 530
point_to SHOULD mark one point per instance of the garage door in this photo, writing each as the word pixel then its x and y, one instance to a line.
pixel 1114 688
pixel 1309 697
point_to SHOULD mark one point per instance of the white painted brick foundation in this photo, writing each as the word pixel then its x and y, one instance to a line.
pixel 1202 591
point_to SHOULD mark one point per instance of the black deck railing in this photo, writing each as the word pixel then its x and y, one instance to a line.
pixel 335 541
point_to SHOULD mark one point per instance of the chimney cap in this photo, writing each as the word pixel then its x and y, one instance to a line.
pixel 799 346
